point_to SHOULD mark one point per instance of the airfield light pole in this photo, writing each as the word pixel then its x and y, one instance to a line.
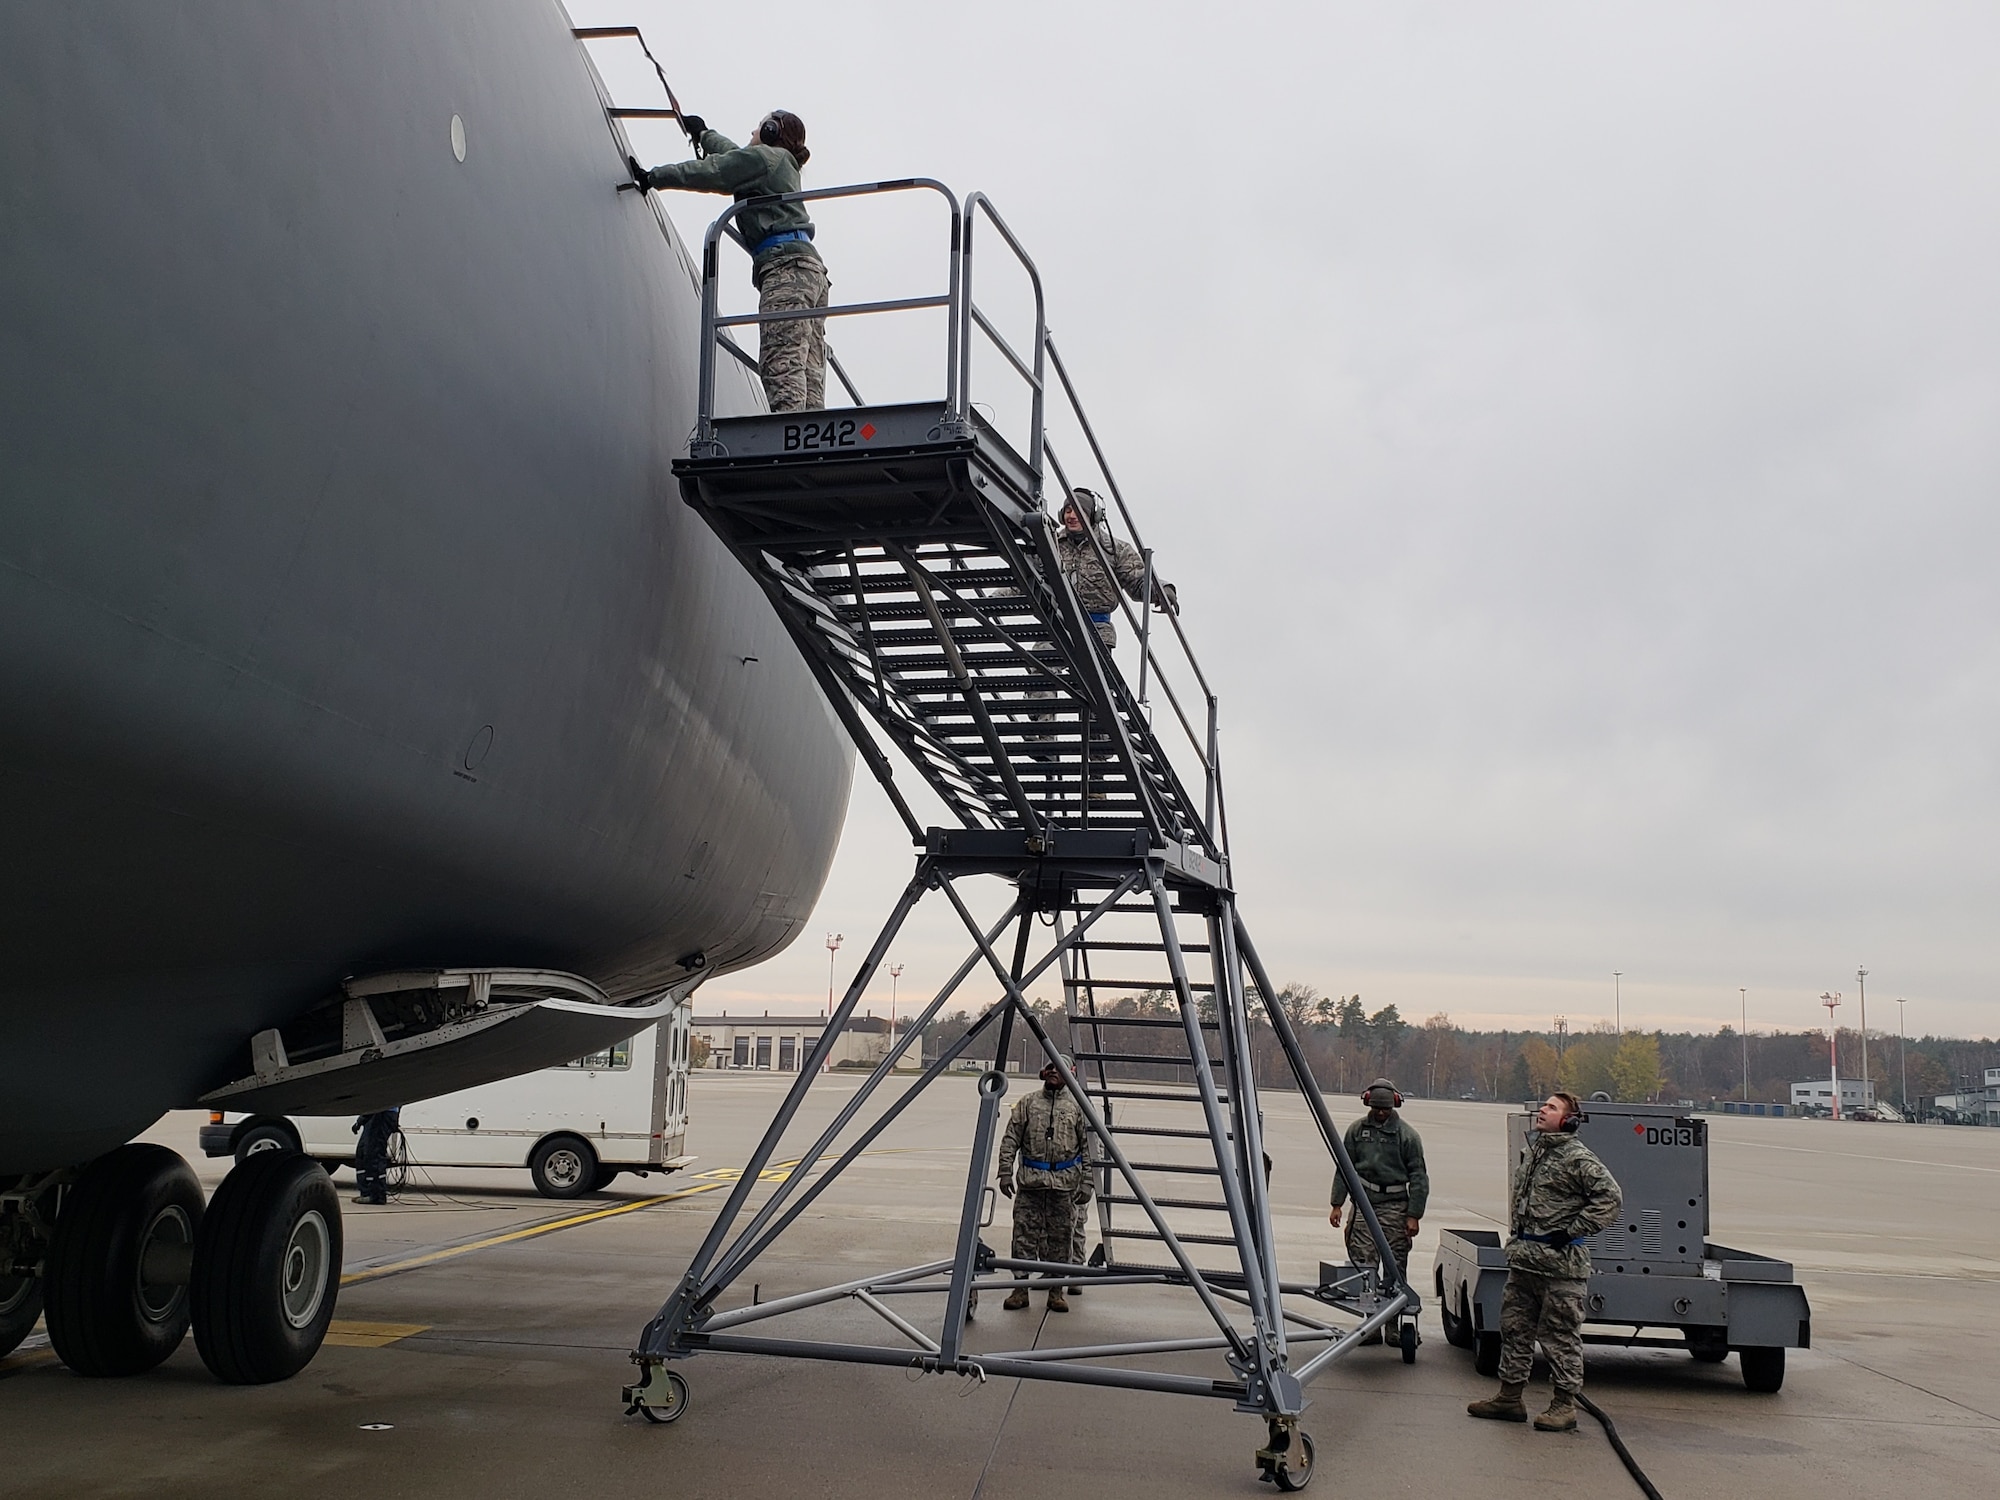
pixel 1832 1046
pixel 1743 1016
pixel 1861 978
pixel 833 942
pixel 1903 1058
pixel 1618 1001
pixel 896 973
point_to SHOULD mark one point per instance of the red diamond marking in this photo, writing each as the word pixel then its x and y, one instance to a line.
pixel 867 431
pixel 1639 1129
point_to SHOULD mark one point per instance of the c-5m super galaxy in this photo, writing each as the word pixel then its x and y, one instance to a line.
pixel 373 720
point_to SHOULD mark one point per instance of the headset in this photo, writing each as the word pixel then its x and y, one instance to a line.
pixel 1371 1103
pixel 1572 1120
pixel 767 130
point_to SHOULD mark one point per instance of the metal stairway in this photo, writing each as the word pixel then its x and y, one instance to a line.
pixel 910 552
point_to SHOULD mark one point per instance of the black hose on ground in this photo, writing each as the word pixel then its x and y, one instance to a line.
pixel 1618 1446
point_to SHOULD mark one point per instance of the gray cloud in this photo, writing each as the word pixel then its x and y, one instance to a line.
pixel 1575 430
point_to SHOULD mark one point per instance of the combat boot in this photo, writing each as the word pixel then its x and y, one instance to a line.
pixel 1505 1407
pixel 1016 1299
pixel 1059 1303
pixel 1561 1415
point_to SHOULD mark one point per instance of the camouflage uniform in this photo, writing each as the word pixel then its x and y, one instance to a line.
pixel 784 266
pixel 1560 1191
pixel 1390 1160
pixel 1095 589
pixel 1044 1154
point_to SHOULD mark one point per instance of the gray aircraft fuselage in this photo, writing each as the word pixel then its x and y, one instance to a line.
pixel 349 618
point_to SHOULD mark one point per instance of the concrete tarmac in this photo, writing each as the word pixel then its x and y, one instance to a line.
pixel 484 1335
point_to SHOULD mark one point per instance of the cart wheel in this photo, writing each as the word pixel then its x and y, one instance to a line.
pixel 1293 1475
pixel 674 1387
pixel 1763 1369
pixel 972 1302
pixel 1486 1354
pixel 1408 1339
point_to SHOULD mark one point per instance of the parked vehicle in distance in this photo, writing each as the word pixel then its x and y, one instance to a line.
pixel 574 1127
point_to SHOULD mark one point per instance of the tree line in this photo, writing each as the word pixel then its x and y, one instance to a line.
pixel 1347 1045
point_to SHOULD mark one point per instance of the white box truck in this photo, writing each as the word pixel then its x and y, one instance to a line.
pixel 574 1127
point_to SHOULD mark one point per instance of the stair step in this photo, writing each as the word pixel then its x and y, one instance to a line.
pixel 1143 1059
pixel 1189 1169
pixel 1185 1239
pixel 1176 1131
pixel 1187 1096
pixel 1078 1018
pixel 1202 1203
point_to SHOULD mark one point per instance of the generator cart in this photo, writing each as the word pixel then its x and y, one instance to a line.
pixel 1653 1269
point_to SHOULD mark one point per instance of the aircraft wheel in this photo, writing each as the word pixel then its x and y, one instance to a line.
pixel 267 1269
pixel 563 1166
pixel 20 1306
pixel 116 1283
pixel 1486 1354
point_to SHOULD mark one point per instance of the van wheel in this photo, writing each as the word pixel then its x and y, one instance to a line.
pixel 267 1269
pixel 605 1177
pixel 563 1166
pixel 116 1289
pixel 264 1138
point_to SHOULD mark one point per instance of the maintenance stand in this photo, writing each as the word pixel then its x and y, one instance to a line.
pixel 910 551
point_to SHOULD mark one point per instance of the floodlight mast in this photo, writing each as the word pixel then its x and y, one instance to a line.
pixel 1832 1045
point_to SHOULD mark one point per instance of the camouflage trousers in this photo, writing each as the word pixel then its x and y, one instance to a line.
pixel 1549 1308
pixel 791 356
pixel 1044 1225
pixel 1361 1244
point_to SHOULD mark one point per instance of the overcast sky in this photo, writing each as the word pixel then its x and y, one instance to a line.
pixel 1574 431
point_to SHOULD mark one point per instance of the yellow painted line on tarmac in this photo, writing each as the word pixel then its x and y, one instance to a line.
pixel 720 1178
pixel 350 1333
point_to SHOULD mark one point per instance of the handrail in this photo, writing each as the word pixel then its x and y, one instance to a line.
pixel 964 320
pixel 712 322
pixel 975 203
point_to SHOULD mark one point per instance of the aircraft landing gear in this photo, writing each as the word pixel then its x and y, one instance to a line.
pixel 117 1270
pixel 266 1269
pixel 135 1259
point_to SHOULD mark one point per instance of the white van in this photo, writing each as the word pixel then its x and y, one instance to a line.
pixel 574 1127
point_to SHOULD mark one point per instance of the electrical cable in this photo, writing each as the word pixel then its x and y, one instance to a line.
pixel 1618 1446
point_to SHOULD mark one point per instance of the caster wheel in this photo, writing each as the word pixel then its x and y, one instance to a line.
pixel 673 1403
pixel 1297 1471
pixel 971 1302
pixel 1407 1339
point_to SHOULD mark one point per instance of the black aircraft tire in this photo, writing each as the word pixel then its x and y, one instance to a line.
pixel 1763 1369
pixel 563 1166
pixel 267 1269
pixel 1486 1354
pixel 104 1318
pixel 20 1306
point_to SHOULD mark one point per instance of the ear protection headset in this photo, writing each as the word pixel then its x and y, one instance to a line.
pixel 1573 1118
pixel 1394 1093
pixel 767 131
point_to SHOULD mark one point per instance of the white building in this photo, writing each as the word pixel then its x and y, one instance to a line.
pixel 1817 1094
pixel 1984 1103
pixel 781 1044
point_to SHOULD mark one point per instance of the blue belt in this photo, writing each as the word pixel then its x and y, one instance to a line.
pixel 782 237
pixel 1097 619
pixel 1051 1166
pixel 1560 1241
